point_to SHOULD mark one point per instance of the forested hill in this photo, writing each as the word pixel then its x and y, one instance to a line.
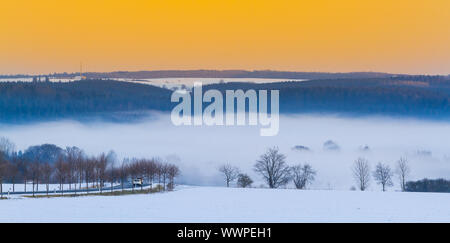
pixel 22 101
pixel 419 97
pixel 422 97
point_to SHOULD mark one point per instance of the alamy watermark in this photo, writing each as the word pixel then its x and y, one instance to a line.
pixel 213 114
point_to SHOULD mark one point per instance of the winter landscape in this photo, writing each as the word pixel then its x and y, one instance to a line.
pixel 200 111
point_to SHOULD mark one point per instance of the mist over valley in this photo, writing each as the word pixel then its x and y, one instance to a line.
pixel 199 151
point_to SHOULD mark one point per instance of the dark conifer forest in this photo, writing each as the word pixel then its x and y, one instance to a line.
pixel 410 96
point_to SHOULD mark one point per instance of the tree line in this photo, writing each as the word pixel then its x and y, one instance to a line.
pixel 79 172
pixel 113 100
pixel 274 170
pixel 31 101
pixel 383 174
pixel 428 185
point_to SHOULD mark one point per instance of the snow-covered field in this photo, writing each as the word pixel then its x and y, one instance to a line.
pixel 217 204
pixel 189 82
pixel 169 83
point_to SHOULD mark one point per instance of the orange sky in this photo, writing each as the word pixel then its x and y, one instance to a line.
pixel 42 36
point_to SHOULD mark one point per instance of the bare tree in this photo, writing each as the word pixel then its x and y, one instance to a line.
pixel 273 168
pixel 244 181
pixel 70 171
pixel 165 174
pixel 3 171
pixel 88 168
pixel 96 172
pixel 78 157
pixel 35 170
pixel 13 172
pixel 173 172
pixel 74 158
pixel 303 175
pixel 142 170
pixel 403 170
pixel 230 173
pixel 123 172
pixel 159 171
pixel 81 162
pixel 112 170
pixel 47 171
pixel 361 173
pixel 7 147
pixel 102 164
pixel 383 175
pixel 61 172
pixel 150 168
pixel 135 171
pixel 24 167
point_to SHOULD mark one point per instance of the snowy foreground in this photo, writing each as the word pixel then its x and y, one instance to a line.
pixel 215 204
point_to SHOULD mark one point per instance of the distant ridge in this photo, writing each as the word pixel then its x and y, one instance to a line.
pixel 237 74
pixel 218 74
pixel 423 97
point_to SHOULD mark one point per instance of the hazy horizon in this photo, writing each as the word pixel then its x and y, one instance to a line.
pixel 77 71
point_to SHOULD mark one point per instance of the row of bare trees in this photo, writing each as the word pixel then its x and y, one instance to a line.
pixel 79 172
pixel 382 174
pixel 274 170
pixel 150 170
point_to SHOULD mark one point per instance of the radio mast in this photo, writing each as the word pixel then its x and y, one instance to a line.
pixel 81 77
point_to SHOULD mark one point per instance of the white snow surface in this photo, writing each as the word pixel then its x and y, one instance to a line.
pixel 218 204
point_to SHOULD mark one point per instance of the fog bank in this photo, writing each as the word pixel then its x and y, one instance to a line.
pixel 200 150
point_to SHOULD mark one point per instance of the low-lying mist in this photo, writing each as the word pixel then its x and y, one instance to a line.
pixel 200 150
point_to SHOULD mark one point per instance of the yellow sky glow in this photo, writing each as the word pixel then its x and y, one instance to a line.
pixel 402 36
